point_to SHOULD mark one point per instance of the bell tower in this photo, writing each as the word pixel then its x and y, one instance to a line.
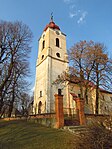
pixel 52 61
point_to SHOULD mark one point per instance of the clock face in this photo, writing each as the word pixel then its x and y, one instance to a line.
pixel 57 33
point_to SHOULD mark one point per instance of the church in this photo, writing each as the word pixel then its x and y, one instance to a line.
pixel 51 62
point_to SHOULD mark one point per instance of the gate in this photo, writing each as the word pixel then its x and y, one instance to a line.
pixel 71 117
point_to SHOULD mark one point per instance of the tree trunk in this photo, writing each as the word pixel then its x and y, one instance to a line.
pixel 81 83
pixel 1 102
pixel 2 112
pixel 86 95
pixel 10 109
pixel 97 90
pixel 97 100
pixel 11 103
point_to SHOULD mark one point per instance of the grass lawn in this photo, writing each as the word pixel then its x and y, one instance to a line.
pixel 28 135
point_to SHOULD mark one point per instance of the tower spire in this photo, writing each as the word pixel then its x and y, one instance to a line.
pixel 51 16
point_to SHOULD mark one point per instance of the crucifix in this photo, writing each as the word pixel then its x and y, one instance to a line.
pixel 52 17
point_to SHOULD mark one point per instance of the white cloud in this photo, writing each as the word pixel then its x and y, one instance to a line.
pixel 72 7
pixel 72 14
pixel 75 12
pixel 82 17
pixel 67 1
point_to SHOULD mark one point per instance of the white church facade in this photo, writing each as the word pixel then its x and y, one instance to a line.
pixel 52 61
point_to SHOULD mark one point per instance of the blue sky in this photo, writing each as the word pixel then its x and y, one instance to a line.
pixel 78 19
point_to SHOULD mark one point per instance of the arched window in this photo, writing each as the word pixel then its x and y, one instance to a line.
pixel 39 107
pixel 42 57
pixel 57 42
pixel 40 93
pixel 43 44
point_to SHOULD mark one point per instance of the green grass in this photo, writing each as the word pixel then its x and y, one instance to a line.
pixel 28 135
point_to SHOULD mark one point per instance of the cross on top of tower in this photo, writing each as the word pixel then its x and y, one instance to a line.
pixel 52 17
pixel 51 24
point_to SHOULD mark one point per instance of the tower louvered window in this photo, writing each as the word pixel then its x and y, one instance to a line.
pixel 43 44
pixel 57 42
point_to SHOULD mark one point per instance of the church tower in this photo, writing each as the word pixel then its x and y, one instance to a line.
pixel 52 61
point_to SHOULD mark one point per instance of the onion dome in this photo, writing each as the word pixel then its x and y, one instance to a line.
pixel 51 25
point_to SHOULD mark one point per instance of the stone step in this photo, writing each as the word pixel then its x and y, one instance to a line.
pixel 76 129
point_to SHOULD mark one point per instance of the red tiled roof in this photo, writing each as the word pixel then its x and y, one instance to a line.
pixel 74 95
pixel 51 25
pixel 104 91
pixel 76 80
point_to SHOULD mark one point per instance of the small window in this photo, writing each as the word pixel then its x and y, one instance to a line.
pixel 58 54
pixel 43 44
pixel 57 42
pixel 79 95
pixel 42 56
pixel 105 108
pixel 40 93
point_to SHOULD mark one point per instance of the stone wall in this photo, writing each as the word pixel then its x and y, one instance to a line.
pixel 47 119
pixel 93 118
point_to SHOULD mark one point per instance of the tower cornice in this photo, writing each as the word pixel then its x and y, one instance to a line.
pixel 64 61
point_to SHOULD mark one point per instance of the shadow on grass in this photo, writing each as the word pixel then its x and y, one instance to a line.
pixel 28 135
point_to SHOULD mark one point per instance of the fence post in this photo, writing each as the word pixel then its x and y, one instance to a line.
pixel 80 106
pixel 59 110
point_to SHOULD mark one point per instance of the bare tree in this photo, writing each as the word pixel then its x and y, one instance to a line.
pixel 100 73
pixel 15 47
pixel 90 64
pixel 82 65
pixel 25 101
